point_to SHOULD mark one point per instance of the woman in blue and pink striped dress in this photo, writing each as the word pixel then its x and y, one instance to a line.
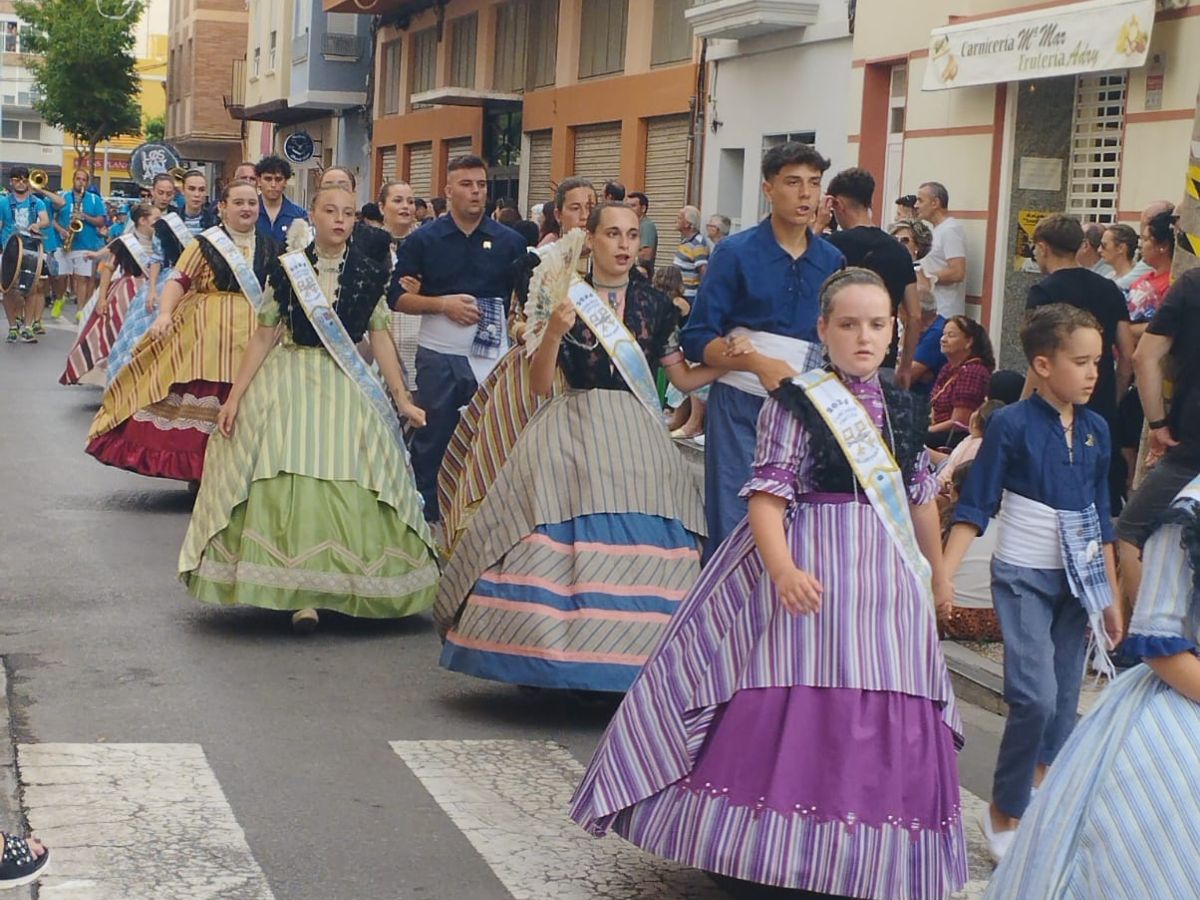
pixel 796 725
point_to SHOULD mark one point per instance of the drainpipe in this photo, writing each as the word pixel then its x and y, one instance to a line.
pixel 696 109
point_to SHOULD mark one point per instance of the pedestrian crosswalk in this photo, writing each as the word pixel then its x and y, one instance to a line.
pixel 150 821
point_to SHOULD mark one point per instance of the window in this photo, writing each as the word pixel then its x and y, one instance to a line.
pixel 526 45
pixel 463 33
pixel 389 78
pixel 672 38
pixel 424 60
pixel 254 71
pixel 10 129
pixel 602 37
pixel 1096 130
pixel 16 36
pixel 774 140
pixel 271 52
pixel 31 131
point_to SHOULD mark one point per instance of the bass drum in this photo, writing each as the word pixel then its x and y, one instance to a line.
pixel 22 262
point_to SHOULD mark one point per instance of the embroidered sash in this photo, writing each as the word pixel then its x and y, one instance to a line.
pixel 182 233
pixel 873 464
pixel 136 250
pixel 333 335
pixel 1087 574
pixel 619 344
pixel 245 276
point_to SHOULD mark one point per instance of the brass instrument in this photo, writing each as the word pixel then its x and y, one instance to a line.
pixel 177 173
pixel 76 224
pixel 38 179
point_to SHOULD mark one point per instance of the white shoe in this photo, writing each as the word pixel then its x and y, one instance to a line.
pixel 998 842
pixel 305 621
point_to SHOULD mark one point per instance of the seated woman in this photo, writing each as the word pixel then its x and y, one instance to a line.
pixel 962 384
pixel 569 572
pixel 308 501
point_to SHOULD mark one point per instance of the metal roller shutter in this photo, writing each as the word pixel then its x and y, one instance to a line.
pixel 537 168
pixel 420 169
pixel 666 179
pixel 387 164
pixel 598 153
pixel 458 147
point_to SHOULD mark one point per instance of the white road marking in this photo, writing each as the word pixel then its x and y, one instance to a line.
pixel 509 798
pixel 136 822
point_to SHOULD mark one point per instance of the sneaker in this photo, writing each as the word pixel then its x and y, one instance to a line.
pixel 998 842
pixel 79 316
pixel 27 336
pixel 56 307
pixel 38 327
pixel 305 621
pixel 12 335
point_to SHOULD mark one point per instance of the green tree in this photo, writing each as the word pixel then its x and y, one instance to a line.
pixel 154 128
pixel 84 67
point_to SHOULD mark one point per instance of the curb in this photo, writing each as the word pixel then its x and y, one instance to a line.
pixel 979 681
pixel 12 815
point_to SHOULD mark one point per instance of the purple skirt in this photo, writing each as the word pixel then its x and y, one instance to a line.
pixel 835 790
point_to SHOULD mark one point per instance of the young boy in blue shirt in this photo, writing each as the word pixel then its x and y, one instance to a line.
pixel 1043 465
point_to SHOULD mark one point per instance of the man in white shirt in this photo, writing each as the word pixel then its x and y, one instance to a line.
pixel 945 265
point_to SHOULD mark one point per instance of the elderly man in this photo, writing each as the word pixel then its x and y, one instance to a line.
pixel 691 254
pixel 717 229
pixel 945 265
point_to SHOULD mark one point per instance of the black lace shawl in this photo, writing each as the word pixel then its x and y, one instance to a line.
pixel 125 260
pixel 266 252
pixel 364 278
pixel 171 248
pixel 907 414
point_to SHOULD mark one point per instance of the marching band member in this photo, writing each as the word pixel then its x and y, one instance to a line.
pixel 22 213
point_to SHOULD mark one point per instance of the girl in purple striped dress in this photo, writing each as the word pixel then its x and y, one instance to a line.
pixel 796 727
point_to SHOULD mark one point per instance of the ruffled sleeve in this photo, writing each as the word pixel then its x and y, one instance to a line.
pixel 923 486
pixel 381 318
pixel 1165 617
pixel 777 457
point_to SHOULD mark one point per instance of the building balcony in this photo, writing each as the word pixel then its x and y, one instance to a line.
pixel 741 19
pixel 235 100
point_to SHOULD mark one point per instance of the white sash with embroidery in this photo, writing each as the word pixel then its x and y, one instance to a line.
pixel 619 344
pixel 245 276
pixel 873 464
pixel 136 250
pixel 182 233
pixel 337 341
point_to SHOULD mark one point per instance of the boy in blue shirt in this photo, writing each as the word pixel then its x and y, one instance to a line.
pixel 1044 465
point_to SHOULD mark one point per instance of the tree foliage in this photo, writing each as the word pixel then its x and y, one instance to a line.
pixel 154 128
pixel 84 66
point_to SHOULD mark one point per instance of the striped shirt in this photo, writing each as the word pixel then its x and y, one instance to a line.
pixel 691 256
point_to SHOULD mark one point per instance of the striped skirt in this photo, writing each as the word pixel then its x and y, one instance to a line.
pixel 569 572
pixel 486 433
pixel 99 333
pixel 138 319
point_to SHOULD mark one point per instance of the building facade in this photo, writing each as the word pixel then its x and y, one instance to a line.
pixel 25 138
pixel 543 89
pixel 777 71
pixel 205 78
pixel 966 93
pixel 306 75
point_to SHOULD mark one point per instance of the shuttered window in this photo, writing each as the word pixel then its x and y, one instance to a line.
pixel 1096 129
pixel 666 178
pixel 458 147
pixel 424 60
pixel 537 169
pixel 389 78
pixel 526 45
pixel 671 41
pixel 420 169
pixel 602 37
pixel 387 164
pixel 463 33
pixel 598 152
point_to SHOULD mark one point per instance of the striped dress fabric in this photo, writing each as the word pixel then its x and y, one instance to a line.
pixel 577 557
pixel 873 635
pixel 99 333
pixel 138 318
pixel 1116 817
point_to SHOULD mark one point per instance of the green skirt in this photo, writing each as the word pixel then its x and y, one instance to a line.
pixel 310 503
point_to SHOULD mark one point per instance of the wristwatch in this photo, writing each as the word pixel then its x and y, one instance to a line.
pixel 1157 424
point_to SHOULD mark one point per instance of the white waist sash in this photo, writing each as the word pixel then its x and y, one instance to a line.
pixel 800 355
pixel 1028 533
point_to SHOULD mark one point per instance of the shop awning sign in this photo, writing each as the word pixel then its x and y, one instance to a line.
pixel 1097 36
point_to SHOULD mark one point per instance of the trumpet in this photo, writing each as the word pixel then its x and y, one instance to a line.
pixel 38 179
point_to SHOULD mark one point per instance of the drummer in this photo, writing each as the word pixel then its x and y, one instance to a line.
pixel 22 215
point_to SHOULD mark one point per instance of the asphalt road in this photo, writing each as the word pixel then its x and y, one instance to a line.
pixel 103 645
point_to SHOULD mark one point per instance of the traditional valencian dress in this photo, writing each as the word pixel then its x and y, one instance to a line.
pixel 133 254
pixel 580 553
pixel 312 502
pixel 158 413
pixel 1116 816
pixel 816 751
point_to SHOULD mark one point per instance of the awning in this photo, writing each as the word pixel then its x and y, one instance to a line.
pixel 1096 36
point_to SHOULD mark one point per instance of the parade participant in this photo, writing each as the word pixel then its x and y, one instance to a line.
pixel 397 203
pixel 505 401
pixel 171 235
pixel 195 195
pixel 1116 817
pixel 77 248
pixel 23 213
pixel 276 212
pixel 23 860
pixel 293 515
pixel 813 626
pixel 247 172
pixel 1043 465
pixel 763 284
pixel 580 552
pixel 131 255
pixel 338 176
pixel 157 414
pixel 54 265
pixel 464 262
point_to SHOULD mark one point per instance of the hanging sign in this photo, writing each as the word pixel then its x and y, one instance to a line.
pixel 150 159
pixel 1097 36
pixel 298 147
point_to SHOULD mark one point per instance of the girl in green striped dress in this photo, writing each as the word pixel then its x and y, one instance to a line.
pixel 308 501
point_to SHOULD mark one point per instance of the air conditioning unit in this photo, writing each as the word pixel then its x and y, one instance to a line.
pixel 1172 4
pixel 346 46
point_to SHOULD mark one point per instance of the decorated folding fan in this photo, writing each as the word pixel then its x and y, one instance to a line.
pixel 550 282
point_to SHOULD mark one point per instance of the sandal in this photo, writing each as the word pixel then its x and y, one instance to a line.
pixel 18 865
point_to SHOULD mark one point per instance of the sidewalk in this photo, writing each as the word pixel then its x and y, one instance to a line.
pixel 12 816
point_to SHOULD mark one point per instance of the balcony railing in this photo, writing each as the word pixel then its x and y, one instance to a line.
pixel 235 100
pixel 739 19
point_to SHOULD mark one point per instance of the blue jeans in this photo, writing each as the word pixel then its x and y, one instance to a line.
pixel 446 384
pixel 1044 630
